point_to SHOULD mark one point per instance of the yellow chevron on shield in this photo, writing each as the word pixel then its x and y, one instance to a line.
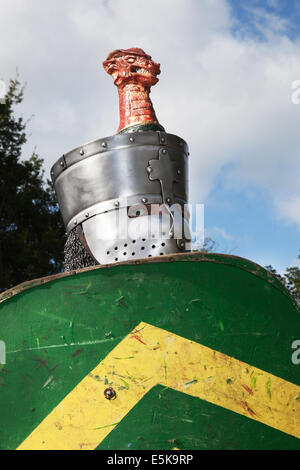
pixel 149 356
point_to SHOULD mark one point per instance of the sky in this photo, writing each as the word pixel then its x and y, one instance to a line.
pixel 227 72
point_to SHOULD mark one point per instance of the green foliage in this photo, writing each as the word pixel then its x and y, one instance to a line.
pixel 209 246
pixel 31 229
pixel 290 279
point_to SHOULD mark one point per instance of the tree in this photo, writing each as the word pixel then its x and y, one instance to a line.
pixel 209 246
pixel 31 229
pixel 292 281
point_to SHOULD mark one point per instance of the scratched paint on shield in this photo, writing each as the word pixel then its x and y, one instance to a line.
pixel 149 356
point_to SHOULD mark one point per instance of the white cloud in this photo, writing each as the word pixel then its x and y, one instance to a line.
pixel 290 208
pixel 228 95
pixel 273 3
pixel 221 232
pixel 268 23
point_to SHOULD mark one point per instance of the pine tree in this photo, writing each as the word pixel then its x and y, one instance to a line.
pixel 290 279
pixel 292 276
pixel 31 229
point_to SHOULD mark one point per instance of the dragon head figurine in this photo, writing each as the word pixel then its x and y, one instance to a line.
pixel 132 66
pixel 134 72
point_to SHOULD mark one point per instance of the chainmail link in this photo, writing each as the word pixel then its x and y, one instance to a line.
pixel 76 256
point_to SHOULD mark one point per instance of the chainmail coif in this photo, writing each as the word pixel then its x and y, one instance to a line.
pixel 76 256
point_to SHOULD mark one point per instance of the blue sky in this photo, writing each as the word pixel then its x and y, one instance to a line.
pixel 245 11
pixel 227 68
pixel 243 222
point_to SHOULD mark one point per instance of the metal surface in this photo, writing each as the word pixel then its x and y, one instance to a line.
pixel 94 181
pixel 98 183
pixel 119 235
pixel 216 336
pixel 108 245
pixel 169 172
